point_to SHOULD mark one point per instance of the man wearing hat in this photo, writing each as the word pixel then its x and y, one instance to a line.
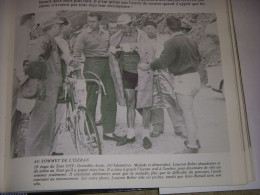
pixel 42 118
pixel 93 42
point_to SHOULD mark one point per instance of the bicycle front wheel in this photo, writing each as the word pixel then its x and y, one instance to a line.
pixel 87 136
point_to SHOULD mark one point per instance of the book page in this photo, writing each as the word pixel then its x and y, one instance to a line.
pixel 249 64
pixel 4 40
pixel 57 142
pixel 2 152
pixel 244 119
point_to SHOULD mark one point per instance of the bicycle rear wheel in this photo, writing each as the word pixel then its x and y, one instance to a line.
pixel 87 136
pixel 71 123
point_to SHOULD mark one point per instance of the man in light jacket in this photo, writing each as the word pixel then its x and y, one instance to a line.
pixel 43 116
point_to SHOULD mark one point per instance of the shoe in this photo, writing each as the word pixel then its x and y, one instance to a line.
pixel 197 142
pixel 146 143
pixel 56 154
pixel 113 138
pixel 100 122
pixel 125 141
pixel 118 138
pixel 156 133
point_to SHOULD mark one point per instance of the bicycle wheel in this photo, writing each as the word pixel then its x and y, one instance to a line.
pixel 71 121
pixel 87 137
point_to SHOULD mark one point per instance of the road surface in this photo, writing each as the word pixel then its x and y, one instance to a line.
pixel 210 112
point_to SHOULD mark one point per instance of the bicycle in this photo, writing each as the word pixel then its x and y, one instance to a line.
pixel 80 123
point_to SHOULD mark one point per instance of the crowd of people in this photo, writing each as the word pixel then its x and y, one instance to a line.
pixel 141 69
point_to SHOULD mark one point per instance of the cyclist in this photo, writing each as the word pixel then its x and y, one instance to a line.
pixel 130 45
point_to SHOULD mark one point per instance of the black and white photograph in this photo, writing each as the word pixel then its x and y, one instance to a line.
pixel 102 83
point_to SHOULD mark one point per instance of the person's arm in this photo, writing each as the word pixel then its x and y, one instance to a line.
pixel 64 47
pixel 46 44
pixel 21 54
pixel 78 49
pixel 167 56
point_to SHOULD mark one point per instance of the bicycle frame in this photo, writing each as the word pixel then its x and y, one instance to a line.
pixel 75 109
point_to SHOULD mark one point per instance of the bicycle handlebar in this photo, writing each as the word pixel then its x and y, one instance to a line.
pixel 99 83
pixel 96 80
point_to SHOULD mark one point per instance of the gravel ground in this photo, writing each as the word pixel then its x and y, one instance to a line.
pixel 210 112
pixel 165 143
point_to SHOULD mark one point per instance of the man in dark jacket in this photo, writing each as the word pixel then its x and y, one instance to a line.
pixel 181 57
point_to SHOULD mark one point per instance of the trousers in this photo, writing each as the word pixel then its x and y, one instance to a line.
pixel 100 67
pixel 41 129
pixel 157 120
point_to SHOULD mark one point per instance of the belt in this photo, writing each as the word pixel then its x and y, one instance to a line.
pixel 189 70
pixel 97 57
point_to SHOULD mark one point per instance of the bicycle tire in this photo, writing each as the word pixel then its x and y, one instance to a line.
pixel 87 142
pixel 70 120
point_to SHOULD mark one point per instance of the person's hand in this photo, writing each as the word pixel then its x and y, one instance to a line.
pixel 144 66
pixel 69 70
pixel 78 74
pixel 73 64
pixel 133 47
pixel 26 66
pixel 74 73
pixel 112 49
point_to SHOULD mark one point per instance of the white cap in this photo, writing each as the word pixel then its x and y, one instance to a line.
pixel 186 24
pixel 124 19
pixel 51 21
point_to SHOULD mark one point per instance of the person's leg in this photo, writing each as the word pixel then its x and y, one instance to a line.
pixel 97 67
pixel 15 123
pixel 177 121
pixel 157 120
pixel 146 114
pixel 42 125
pixel 186 104
pixel 130 104
pixel 16 115
pixel 92 96
pixel 99 119
pixel 60 113
pixel 108 104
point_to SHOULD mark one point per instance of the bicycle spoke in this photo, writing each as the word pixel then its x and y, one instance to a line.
pixel 87 135
pixel 81 125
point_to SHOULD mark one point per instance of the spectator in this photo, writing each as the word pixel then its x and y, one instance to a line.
pixel 163 90
pixel 181 57
pixel 42 118
pixel 93 42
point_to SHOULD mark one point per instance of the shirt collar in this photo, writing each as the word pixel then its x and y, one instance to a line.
pixel 89 30
pixel 177 33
